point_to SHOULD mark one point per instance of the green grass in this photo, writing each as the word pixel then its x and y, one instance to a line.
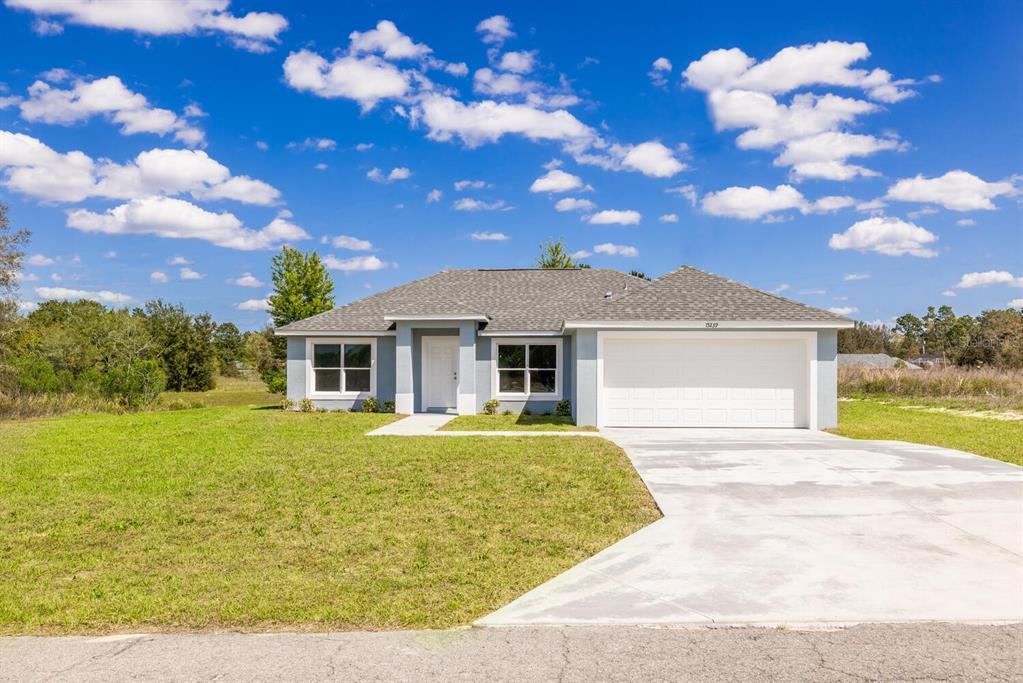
pixel 230 391
pixel 999 439
pixel 510 423
pixel 256 519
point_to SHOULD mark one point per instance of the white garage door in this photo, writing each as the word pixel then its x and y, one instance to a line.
pixel 671 382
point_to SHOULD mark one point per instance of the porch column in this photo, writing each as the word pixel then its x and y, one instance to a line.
pixel 404 396
pixel 466 403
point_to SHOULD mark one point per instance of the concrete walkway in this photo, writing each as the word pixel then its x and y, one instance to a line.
pixel 429 424
pixel 918 652
pixel 790 527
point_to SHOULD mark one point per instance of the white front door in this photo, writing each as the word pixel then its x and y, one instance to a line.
pixel 440 372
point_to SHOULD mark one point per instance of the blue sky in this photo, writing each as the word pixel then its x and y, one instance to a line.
pixel 863 159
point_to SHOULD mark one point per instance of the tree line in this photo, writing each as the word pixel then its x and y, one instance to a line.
pixel 992 339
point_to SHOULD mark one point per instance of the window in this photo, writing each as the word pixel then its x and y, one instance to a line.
pixel 528 368
pixel 342 367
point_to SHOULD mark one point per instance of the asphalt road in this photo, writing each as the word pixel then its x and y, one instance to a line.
pixel 875 652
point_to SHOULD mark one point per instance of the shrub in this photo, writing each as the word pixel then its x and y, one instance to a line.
pixel 276 381
pixel 34 375
pixel 134 385
pixel 490 407
pixel 306 406
pixel 388 407
pixel 563 408
pixel 506 411
pixel 287 404
pixel 370 404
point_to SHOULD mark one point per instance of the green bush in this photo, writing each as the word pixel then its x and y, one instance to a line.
pixel 134 385
pixel 287 404
pixel 388 406
pixel 563 408
pixel 34 375
pixel 306 406
pixel 491 406
pixel 370 404
pixel 276 381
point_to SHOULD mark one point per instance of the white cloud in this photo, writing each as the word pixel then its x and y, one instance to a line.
pixel 966 222
pixel 187 273
pixel 262 146
pixel 351 243
pixel 488 121
pixel 245 280
pixel 926 211
pixel 574 204
pixel 179 219
pixel 461 185
pixel 615 217
pixel 388 41
pixel 989 277
pixel 399 173
pixel 34 169
pixel 888 236
pixel 364 147
pixel 254 31
pixel 741 95
pixel 687 191
pixel 581 254
pixel 517 62
pixel 320 167
pixel 26 277
pixel 956 191
pixel 107 97
pixel 489 236
pixel 653 159
pixel 433 196
pixel 659 70
pixel 110 254
pixel 26 307
pixel 752 203
pixel 356 263
pixel 616 250
pixel 853 277
pixel 457 69
pixel 495 30
pixel 825 63
pixel 40 260
pixel 318 144
pixel 949 292
pixel 254 305
pixel 42 27
pixel 103 296
pixel 669 218
pixel 469 204
pixel 813 291
pixel 781 288
pixel 1015 303
pixel 556 180
pixel 178 261
pixel 843 310
pixel 367 79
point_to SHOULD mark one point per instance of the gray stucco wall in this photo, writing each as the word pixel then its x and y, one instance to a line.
pixel 585 353
pixel 827 379
pixel 296 367
pixel 484 377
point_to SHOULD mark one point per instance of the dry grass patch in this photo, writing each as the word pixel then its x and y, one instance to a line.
pixel 986 388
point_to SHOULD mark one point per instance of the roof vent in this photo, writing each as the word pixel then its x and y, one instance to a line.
pixel 607 295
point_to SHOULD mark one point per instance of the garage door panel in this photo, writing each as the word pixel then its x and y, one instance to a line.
pixel 704 383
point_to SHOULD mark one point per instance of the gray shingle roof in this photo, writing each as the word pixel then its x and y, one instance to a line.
pixel 536 300
pixel 688 293
pixel 527 300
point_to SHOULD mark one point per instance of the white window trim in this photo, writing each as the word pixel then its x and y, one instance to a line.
pixel 310 377
pixel 559 371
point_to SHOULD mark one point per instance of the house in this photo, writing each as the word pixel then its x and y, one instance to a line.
pixel 687 349
pixel 873 361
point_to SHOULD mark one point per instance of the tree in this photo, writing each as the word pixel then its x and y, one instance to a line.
pixel 302 286
pixel 554 254
pixel 997 340
pixel 184 346
pixel 229 344
pixel 863 338
pixel 911 331
pixel 640 274
pixel 11 253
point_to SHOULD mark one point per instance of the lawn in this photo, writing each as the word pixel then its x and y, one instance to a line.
pixel 260 519
pixel 230 391
pixel 866 419
pixel 510 423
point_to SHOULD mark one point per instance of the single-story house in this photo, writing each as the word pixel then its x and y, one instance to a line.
pixel 873 361
pixel 689 349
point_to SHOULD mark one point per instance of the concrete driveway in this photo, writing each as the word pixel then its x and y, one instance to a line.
pixel 798 527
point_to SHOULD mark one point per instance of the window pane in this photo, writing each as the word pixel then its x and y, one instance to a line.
pixel 356 380
pixel 511 381
pixel 545 356
pixel 328 380
pixel 542 381
pixel 511 356
pixel 326 356
pixel 357 355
